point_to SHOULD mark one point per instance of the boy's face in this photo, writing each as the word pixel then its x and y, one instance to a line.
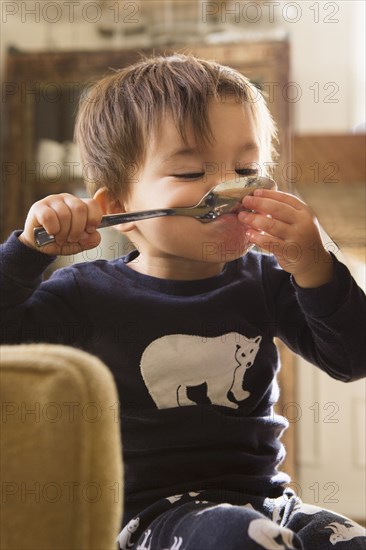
pixel 176 174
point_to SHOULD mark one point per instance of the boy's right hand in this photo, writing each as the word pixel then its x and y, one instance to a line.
pixel 71 220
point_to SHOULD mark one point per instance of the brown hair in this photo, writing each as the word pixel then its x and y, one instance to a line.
pixel 119 113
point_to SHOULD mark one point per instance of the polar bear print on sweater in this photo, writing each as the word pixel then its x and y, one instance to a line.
pixel 174 363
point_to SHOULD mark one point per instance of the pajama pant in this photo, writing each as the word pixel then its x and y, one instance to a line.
pixel 189 522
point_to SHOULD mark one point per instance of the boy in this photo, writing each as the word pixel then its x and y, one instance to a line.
pixel 186 322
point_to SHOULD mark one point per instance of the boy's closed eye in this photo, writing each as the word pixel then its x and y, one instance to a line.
pixel 189 176
pixel 247 171
pixel 198 175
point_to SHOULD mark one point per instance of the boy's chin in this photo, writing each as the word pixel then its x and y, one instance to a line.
pixel 225 252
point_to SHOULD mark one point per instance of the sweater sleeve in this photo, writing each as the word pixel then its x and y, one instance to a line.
pixel 32 311
pixel 325 325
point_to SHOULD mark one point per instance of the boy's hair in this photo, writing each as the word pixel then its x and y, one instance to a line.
pixel 122 111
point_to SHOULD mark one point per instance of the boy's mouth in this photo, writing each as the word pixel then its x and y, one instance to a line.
pixel 238 207
pixel 229 218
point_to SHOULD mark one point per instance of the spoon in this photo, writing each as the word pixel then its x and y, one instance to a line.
pixel 224 198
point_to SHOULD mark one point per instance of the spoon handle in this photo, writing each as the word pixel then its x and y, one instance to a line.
pixel 220 200
pixel 42 237
pixel 115 219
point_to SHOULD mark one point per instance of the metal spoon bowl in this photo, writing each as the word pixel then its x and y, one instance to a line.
pixel 224 198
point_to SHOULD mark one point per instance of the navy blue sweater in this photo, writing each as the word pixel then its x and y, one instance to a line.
pixel 194 361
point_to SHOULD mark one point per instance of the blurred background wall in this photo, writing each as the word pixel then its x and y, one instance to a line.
pixel 327 41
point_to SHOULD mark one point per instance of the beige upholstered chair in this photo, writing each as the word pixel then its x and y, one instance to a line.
pixel 61 464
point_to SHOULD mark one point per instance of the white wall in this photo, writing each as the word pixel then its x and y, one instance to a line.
pixel 329 419
pixel 328 63
pixel 327 44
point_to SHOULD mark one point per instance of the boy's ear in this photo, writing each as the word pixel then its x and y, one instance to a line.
pixel 108 204
pixel 112 205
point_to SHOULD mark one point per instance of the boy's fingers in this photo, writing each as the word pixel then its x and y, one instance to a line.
pixel 63 214
pixel 268 224
pixel 287 253
pixel 282 197
pixel 94 214
pixel 55 217
pixel 268 243
pixel 86 243
pixel 46 216
pixel 72 221
pixel 78 218
pixel 278 210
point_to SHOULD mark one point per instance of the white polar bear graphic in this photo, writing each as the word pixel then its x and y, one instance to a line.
pixel 143 545
pixel 172 364
pixel 178 541
pixel 175 498
pixel 124 538
pixel 349 530
pixel 264 531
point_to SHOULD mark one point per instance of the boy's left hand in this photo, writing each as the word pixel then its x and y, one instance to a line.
pixel 284 225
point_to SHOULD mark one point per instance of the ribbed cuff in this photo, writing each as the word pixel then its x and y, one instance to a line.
pixel 22 263
pixel 326 299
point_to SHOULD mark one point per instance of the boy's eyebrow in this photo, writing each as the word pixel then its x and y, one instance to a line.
pixel 249 146
pixel 182 152
pixel 194 151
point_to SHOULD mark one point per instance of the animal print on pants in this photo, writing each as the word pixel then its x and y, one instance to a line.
pixel 190 522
